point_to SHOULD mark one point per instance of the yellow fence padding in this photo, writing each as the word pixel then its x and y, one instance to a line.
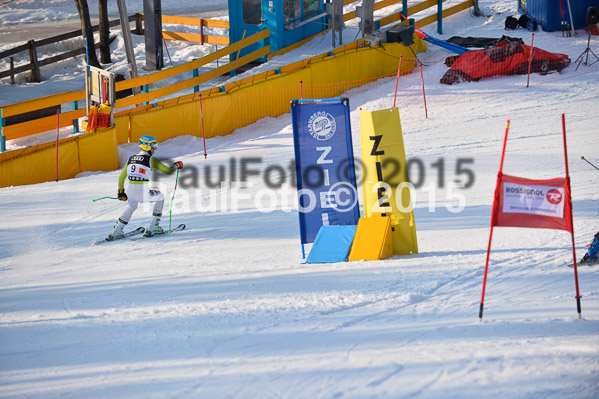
pixel 384 183
pixel 37 164
pixel 243 105
pixel 99 151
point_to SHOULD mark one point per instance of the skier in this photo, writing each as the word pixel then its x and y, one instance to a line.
pixel 591 255
pixel 139 172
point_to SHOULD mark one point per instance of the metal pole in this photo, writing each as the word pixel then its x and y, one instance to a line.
pixel 571 20
pixel 75 107
pixel 440 17
pixel 587 161
pixel 87 85
pixel 128 43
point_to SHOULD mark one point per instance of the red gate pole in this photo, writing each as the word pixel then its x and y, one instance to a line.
pixel 578 307
pixel 495 205
pixel 203 133
pixel 423 93
pixel 530 59
pixel 397 79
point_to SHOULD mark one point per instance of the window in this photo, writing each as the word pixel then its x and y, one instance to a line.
pixel 252 11
pixel 310 7
pixel 292 10
pixel 297 9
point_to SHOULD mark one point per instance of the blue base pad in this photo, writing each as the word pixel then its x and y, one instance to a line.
pixel 332 244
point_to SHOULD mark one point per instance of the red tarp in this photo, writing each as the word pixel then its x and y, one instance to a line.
pixel 504 59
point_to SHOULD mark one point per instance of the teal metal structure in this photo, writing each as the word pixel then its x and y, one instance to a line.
pixel 289 21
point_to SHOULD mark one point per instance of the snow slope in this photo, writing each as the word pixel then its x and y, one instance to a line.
pixel 227 309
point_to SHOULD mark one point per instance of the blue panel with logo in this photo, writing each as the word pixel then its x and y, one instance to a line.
pixel 324 165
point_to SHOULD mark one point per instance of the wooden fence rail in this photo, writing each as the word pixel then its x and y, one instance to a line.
pixel 32 46
pixel 195 37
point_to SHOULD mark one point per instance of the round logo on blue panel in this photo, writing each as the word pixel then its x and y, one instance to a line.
pixel 322 125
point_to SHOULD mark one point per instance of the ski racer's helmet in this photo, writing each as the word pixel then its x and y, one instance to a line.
pixel 148 143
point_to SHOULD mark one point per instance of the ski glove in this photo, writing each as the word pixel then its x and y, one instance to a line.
pixel 178 165
pixel 121 195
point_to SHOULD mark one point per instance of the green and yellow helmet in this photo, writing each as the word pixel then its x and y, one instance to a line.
pixel 148 143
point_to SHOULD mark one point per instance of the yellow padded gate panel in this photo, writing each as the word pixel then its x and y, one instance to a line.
pixel 385 183
pixel 373 240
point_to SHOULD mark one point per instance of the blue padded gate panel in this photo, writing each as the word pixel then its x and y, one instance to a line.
pixel 332 244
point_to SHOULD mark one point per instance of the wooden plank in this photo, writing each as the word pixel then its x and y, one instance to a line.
pixel 41 125
pixel 167 19
pixel 420 7
pixel 189 83
pixel 427 20
pixel 43 102
pixel 377 6
pixel 14 50
pixel 246 59
pixel 457 8
pixel 389 19
pixel 213 39
pixel 47 61
pixel 385 3
pixel 210 23
pixel 78 33
pixel 216 23
pixel 19 69
pixel 62 57
pixel 167 73
pixel 350 15
pixel 195 37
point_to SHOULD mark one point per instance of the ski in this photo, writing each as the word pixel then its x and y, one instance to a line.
pixel 131 233
pixel 590 264
pixel 178 228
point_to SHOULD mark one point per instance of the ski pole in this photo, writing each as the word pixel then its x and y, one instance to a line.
pixel 584 159
pixel 170 216
pixel 98 199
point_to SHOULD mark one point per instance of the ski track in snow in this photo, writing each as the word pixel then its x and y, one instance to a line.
pixel 227 309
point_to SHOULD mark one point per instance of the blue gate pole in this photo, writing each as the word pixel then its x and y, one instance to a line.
pixel 196 73
pixel 75 121
pixel 404 9
pixel 2 137
pixel 440 17
pixel 145 90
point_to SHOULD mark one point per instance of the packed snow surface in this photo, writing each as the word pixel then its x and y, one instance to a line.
pixel 228 309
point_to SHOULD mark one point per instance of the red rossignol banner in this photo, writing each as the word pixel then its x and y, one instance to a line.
pixel 541 204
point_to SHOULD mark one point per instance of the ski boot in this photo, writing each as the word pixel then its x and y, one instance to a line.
pixel 117 233
pixel 154 227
